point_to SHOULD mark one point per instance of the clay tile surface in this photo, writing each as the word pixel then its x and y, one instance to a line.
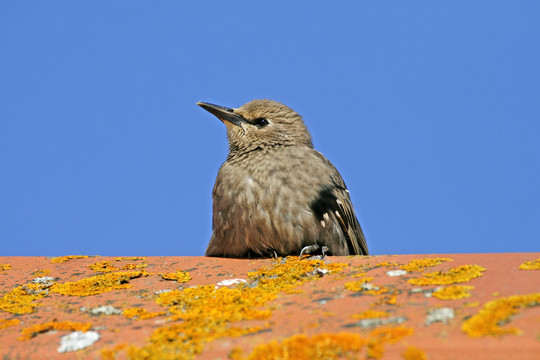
pixel 444 306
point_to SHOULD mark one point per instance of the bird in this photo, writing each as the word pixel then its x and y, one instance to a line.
pixel 275 195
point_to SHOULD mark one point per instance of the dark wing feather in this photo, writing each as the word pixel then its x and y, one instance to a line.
pixel 349 223
pixel 335 200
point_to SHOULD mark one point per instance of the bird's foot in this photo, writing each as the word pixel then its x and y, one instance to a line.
pixel 312 248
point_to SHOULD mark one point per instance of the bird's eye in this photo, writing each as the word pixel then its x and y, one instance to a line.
pixel 260 122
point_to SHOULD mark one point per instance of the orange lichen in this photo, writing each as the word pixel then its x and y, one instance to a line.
pixel 364 286
pixel 371 314
pixel 31 331
pixel 380 336
pixel 387 264
pixel 131 258
pixel 453 292
pixel 489 319
pixel 107 266
pixel 390 299
pixel 20 300
pixel 223 304
pixel 414 353
pixel 140 313
pixel 44 272
pixel 98 284
pixel 7 323
pixel 325 346
pixel 284 276
pixel 531 265
pixel 63 259
pixel 4 267
pixel 360 274
pixel 421 264
pixel 103 266
pixel 179 276
pixel 131 266
pixel 110 353
pixel 453 276
pixel 207 312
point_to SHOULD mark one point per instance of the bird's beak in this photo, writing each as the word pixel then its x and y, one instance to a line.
pixel 224 113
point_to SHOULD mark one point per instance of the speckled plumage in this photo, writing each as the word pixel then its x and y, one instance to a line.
pixel 275 194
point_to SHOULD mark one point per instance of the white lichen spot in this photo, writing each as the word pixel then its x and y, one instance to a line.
pixel 229 282
pixel 102 310
pixel 163 291
pixel 373 323
pixel 396 272
pixel 45 281
pixel 320 272
pixel 442 315
pixel 77 340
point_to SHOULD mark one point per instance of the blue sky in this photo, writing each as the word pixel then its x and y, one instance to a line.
pixel 430 110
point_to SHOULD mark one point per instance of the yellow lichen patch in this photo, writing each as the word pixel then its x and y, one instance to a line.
pixel 207 312
pixel 179 341
pixel 7 323
pixel 380 336
pixel 63 259
pixel 107 266
pixel 19 300
pixel 489 319
pixel 103 266
pixel 365 287
pixel 110 353
pixel 284 276
pixel 220 305
pixel 453 276
pixel 325 346
pixel 472 304
pixel 531 265
pixel 31 331
pixel 4 267
pixel 179 276
pixel 421 264
pixel 387 264
pixel 414 353
pixel 44 272
pixel 141 313
pixel 390 299
pixel 131 266
pixel 453 292
pixel 131 258
pixel 371 314
pixel 360 274
pixel 98 284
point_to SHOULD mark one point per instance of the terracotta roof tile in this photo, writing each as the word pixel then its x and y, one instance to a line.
pixel 446 306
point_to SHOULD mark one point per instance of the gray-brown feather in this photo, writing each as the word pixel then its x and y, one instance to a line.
pixel 266 205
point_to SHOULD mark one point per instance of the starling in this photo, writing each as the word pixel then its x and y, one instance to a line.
pixel 275 195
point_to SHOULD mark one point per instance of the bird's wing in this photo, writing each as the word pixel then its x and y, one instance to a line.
pixel 334 198
pixel 333 201
pixel 348 222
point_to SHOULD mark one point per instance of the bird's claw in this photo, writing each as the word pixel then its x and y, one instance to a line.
pixel 311 248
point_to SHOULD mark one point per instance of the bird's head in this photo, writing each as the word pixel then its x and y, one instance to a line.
pixel 261 124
